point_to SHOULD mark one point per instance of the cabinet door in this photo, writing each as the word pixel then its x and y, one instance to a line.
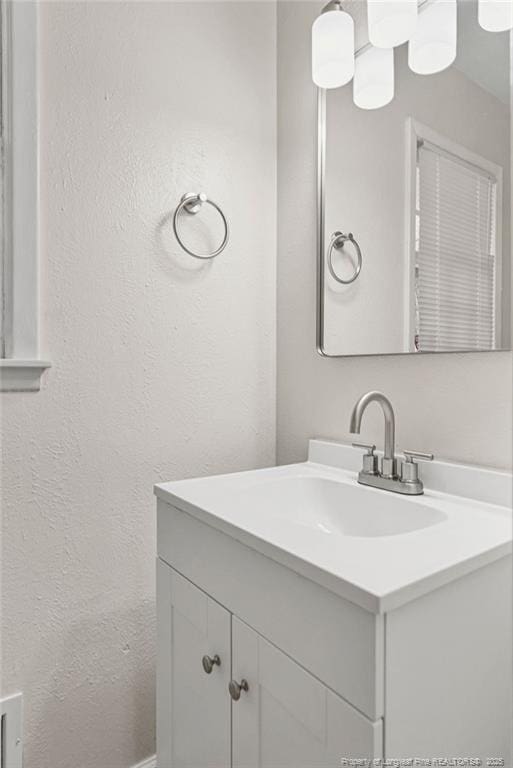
pixel 193 707
pixel 287 718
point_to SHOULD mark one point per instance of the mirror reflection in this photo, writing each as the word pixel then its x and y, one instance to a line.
pixel 415 204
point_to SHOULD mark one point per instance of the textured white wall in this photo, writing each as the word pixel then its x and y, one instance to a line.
pixel 458 406
pixel 162 367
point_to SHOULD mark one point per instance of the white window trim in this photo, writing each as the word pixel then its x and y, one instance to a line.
pixel 11 719
pixel 20 364
pixel 415 132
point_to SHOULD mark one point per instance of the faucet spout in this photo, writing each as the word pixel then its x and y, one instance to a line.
pixel 389 468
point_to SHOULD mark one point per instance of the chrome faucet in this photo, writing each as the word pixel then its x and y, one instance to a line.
pixel 386 477
pixel 388 467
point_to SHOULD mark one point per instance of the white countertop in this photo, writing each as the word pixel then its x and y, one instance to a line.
pixel 377 572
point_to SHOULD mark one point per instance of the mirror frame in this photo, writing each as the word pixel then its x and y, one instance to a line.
pixel 321 261
pixel 321 191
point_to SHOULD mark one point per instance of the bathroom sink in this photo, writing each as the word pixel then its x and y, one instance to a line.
pixel 319 505
pixel 376 548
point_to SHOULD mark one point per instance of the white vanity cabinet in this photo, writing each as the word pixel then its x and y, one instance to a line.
pixel 285 718
pixel 337 668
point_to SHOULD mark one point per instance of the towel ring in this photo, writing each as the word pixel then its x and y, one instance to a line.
pixel 338 240
pixel 191 203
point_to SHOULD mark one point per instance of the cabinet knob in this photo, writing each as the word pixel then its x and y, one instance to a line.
pixel 209 661
pixel 236 688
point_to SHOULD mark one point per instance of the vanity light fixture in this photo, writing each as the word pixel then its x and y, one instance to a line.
pixel 432 48
pixel 495 15
pixel 373 84
pixel 391 22
pixel 333 47
pixel 429 25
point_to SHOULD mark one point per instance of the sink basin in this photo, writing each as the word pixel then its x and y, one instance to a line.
pixel 374 547
pixel 329 507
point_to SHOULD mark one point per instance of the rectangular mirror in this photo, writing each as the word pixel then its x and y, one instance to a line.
pixel 414 206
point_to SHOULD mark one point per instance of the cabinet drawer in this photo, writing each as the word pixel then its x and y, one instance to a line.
pixel 338 642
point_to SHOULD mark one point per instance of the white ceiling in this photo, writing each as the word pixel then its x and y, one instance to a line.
pixel 483 56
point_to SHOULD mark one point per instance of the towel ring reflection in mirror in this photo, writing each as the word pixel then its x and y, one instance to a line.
pixel 338 240
pixel 191 203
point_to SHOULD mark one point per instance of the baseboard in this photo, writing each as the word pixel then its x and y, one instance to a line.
pixel 150 762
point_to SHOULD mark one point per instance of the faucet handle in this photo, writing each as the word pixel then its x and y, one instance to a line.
pixel 411 455
pixel 370 460
pixel 409 467
pixel 369 448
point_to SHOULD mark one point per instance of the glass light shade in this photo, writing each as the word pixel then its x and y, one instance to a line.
pixel 433 46
pixel 332 49
pixel 373 84
pixel 391 22
pixel 495 15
